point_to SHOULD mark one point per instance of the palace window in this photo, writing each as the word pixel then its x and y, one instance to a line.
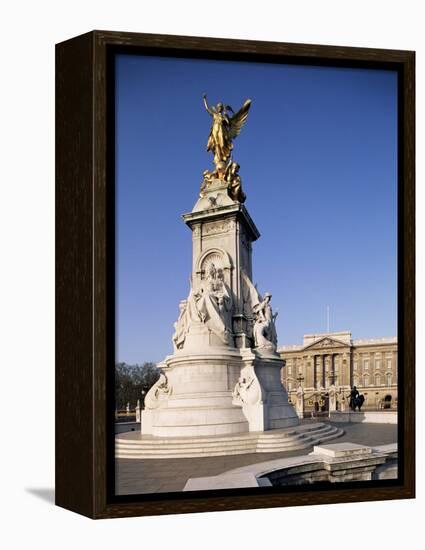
pixel 389 364
pixel 377 363
pixel 389 379
pixel 378 380
pixel 366 380
pixel 366 364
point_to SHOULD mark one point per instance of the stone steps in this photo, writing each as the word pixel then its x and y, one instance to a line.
pixel 127 446
pixel 253 437
pixel 304 439
pixel 195 453
pixel 248 439
pixel 318 428
pixel 194 446
pixel 308 442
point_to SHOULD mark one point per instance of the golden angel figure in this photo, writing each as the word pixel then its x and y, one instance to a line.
pixel 225 127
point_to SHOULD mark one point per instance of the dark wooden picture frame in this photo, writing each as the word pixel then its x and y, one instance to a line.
pixel 84 276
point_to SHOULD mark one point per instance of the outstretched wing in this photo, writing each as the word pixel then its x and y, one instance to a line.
pixel 238 119
pixel 251 295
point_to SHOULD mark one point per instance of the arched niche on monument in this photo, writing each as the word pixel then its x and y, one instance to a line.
pixel 221 260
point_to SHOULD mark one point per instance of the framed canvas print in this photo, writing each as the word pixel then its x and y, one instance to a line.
pixel 235 274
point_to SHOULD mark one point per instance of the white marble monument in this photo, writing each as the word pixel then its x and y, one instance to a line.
pixel 224 375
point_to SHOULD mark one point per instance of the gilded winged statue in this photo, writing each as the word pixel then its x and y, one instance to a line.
pixel 226 125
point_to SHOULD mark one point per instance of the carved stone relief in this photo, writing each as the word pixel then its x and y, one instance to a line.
pixel 217 227
pixel 159 391
pixel 326 343
pixel 247 390
pixel 215 258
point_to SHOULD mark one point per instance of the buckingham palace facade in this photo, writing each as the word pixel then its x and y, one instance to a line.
pixel 336 359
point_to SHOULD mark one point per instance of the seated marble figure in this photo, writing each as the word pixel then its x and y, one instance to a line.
pixel 211 305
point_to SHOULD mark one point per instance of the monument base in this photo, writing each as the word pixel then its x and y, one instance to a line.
pixel 224 392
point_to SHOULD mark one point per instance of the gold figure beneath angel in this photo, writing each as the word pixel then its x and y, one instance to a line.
pixel 226 126
pixel 234 182
pixel 231 177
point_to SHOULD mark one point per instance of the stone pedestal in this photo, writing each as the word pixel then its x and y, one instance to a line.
pixel 260 393
pixel 217 382
pixel 222 234
pixel 224 392
pixel 193 397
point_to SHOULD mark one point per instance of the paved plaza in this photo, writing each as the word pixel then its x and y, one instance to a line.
pixel 135 476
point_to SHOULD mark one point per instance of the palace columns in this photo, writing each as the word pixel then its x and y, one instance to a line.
pixel 330 370
pixel 337 369
pixel 309 373
pixel 346 370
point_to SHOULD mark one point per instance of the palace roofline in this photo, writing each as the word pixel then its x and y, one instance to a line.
pixel 366 341
pixel 310 339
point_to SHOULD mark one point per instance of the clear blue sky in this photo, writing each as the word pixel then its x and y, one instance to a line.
pixel 318 164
